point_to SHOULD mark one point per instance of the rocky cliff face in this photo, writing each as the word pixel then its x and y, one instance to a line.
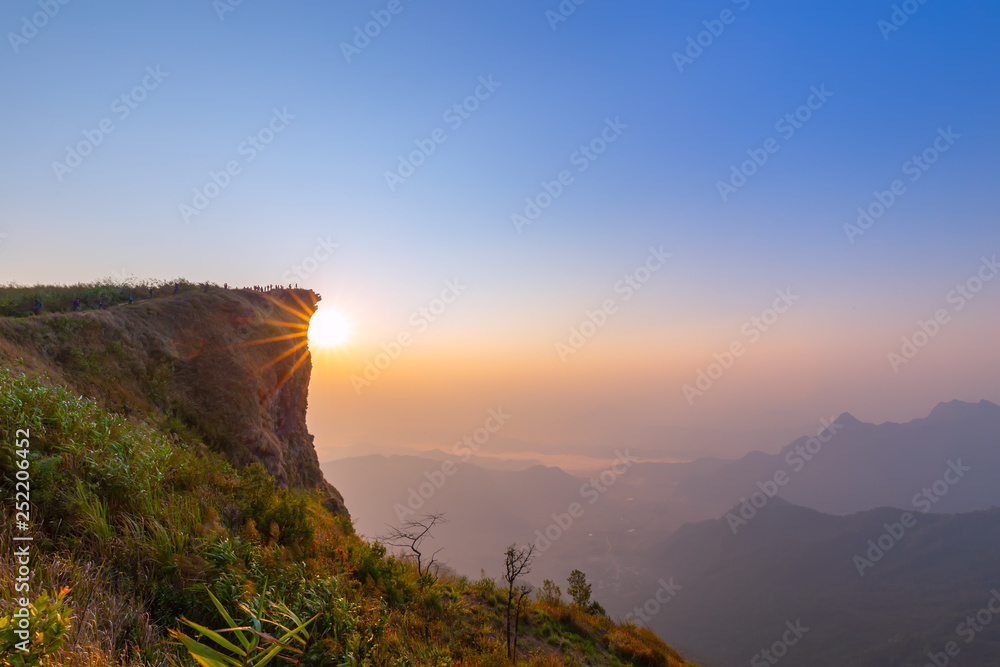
pixel 230 368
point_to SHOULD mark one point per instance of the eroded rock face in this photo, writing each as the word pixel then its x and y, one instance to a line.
pixel 231 366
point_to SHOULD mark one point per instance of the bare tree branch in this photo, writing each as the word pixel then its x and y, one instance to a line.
pixel 411 535
pixel 517 562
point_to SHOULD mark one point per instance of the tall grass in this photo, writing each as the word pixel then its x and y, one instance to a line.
pixel 18 301
pixel 137 524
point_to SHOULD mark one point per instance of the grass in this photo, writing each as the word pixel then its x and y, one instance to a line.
pixel 19 301
pixel 143 533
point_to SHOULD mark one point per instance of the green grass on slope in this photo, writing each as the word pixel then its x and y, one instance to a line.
pixel 137 524
pixel 18 301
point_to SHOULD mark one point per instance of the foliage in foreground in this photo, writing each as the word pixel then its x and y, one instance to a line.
pixel 157 539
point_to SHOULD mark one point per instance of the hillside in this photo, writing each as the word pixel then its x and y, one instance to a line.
pixel 863 606
pixel 172 480
pixel 611 541
pixel 734 587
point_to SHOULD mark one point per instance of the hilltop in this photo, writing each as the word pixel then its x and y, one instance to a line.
pixel 175 489
pixel 228 367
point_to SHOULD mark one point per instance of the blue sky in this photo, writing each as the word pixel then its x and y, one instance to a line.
pixel 324 174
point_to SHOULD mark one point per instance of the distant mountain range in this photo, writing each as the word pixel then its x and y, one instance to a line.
pixel 864 466
pixel 863 605
pixel 750 559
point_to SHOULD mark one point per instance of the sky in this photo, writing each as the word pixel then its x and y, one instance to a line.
pixel 675 170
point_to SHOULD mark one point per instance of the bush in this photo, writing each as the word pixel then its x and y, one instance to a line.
pixel 48 623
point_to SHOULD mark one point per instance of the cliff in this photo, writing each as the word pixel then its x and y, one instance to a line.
pixel 228 368
pixel 142 537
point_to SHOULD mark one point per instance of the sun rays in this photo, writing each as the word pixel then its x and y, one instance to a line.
pixel 306 324
pixel 299 335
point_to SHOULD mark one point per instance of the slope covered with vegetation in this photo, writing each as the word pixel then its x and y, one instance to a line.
pixel 147 535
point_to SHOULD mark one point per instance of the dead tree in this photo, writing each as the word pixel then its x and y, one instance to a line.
pixel 411 535
pixel 517 562
pixel 523 592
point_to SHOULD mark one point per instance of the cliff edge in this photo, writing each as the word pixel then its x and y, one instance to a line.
pixel 229 368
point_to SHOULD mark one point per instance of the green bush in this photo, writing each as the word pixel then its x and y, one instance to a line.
pixel 48 623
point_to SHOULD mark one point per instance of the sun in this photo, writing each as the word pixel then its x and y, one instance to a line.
pixel 329 328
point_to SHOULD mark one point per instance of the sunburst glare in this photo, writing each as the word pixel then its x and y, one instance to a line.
pixel 329 328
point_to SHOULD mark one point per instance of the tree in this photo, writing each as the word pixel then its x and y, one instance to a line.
pixel 549 592
pixel 595 609
pixel 517 562
pixel 522 593
pixel 411 535
pixel 579 589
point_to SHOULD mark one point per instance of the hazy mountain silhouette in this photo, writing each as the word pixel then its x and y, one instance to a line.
pixel 790 561
pixel 866 465
pixel 790 564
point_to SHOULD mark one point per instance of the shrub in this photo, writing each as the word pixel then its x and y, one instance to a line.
pixel 48 623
